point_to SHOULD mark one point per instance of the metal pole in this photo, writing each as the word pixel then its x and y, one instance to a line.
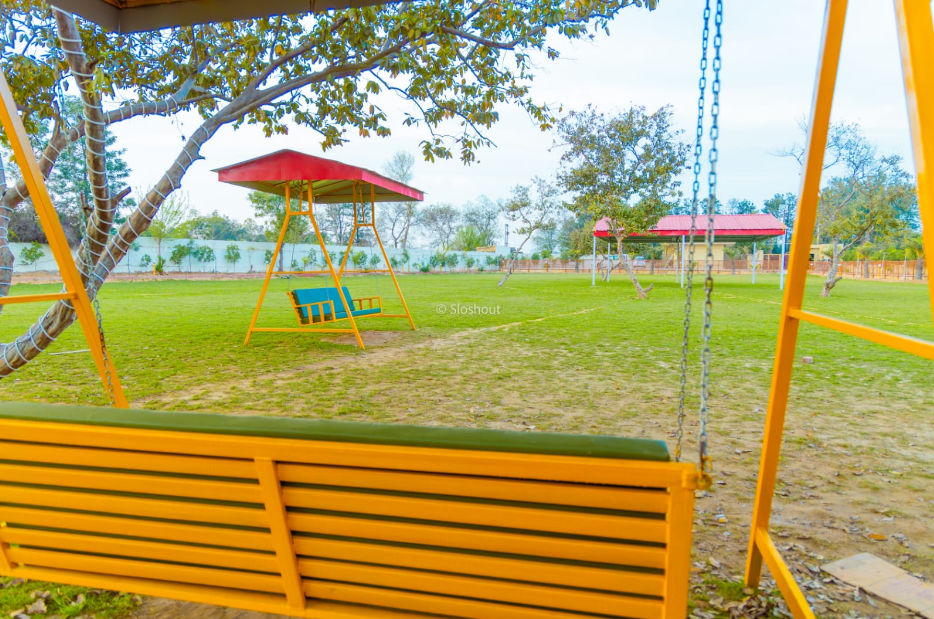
pixel 781 266
pixel 755 259
pixel 683 258
pixel 593 274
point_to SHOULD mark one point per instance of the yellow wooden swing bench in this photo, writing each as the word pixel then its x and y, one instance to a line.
pixel 317 518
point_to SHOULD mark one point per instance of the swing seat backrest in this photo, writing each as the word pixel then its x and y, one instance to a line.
pixel 303 296
pixel 318 518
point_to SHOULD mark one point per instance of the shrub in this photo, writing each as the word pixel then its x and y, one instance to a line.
pixel 232 254
pixel 32 253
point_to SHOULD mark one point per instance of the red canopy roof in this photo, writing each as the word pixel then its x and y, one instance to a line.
pixel 727 228
pixel 332 181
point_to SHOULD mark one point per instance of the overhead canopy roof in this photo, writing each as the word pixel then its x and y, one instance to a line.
pixel 332 182
pixel 727 228
pixel 138 15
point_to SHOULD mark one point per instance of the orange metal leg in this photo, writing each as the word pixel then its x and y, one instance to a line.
pixel 272 263
pixel 392 274
pixel 334 275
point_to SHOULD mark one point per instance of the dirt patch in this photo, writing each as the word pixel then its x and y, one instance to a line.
pixel 370 338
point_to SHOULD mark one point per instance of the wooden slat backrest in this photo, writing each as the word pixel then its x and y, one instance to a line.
pixel 324 528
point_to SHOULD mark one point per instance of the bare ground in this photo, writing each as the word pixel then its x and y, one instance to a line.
pixel 850 481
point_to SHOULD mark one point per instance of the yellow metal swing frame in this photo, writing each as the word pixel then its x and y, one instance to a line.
pixel 916 39
pixel 360 221
pixel 74 291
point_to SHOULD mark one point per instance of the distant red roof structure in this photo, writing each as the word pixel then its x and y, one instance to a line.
pixel 727 228
pixel 332 182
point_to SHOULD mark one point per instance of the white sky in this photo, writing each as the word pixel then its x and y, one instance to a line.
pixel 769 59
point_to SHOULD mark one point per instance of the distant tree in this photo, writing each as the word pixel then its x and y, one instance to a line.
pixel 548 240
pixel 32 254
pixel 336 222
pixel 205 254
pixel 375 260
pixel 575 236
pixel 865 193
pixel 622 168
pixel 168 222
pixel 397 218
pixel 483 216
pixel 852 208
pixel 441 222
pixel 740 207
pixel 358 258
pixel 220 228
pixel 232 255
pixel 267 256
pixel 914 250
pixel 784 207
pixel 534 208
pixel 270 209
pixel 468 238
pixel 310 258
pixel 145 260
pixel 179 253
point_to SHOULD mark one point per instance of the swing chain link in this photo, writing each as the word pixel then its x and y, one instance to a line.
pixel 689 279
pixel 704 457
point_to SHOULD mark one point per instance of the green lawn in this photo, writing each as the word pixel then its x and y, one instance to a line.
pixel 550 352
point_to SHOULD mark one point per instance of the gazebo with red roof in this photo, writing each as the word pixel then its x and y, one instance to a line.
pixel 727 229
pixel 313 180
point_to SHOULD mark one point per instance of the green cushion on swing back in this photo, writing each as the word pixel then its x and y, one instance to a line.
pixel 346 431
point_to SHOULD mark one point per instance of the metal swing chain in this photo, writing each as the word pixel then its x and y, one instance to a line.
pixel 708 281
pixel 698 149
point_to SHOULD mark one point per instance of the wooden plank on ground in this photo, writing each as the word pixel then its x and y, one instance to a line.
pixel 885 580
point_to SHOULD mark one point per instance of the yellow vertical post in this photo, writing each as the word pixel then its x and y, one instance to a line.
pixel 834 19
pixel 379 241
pixel 272 261
pixel 334 275
pixel 916 40
pixel 52 227
pixel 281 534
pixel 678 557
pixel 5 566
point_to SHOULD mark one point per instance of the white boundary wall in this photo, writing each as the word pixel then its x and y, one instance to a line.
pixel 252 257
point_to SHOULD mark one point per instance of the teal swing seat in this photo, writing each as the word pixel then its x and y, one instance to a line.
pixel 317 305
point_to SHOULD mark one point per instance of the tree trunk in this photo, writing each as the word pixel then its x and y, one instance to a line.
pixel 643 292
pixel 832 277
pixel 919 268
pixel 866 268
pixel 510 267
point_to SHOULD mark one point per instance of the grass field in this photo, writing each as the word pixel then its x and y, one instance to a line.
pixel 550 352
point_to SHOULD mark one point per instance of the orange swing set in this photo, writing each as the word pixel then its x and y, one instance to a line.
pixel 311 180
